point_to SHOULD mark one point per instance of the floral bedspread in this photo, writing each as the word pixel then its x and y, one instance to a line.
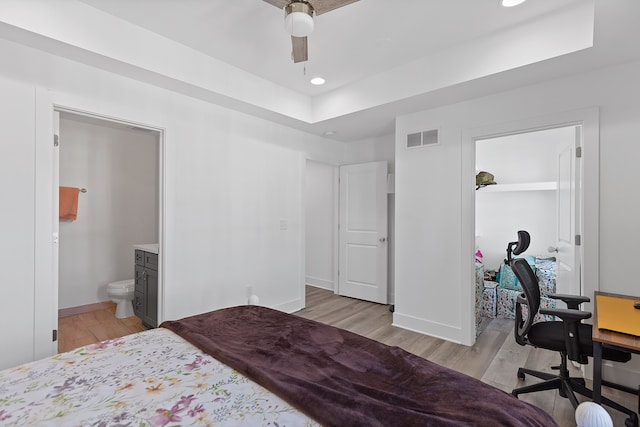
pixel 153 378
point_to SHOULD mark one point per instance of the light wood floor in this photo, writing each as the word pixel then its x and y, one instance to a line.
pixel 89 328
pixel 494 359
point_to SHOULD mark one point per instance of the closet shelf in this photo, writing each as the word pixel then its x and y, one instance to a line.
pixel 524 186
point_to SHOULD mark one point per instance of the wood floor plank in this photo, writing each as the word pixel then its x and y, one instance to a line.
pixel 80 336
pixel 365 320
pixel 505 364
pixel 424 347
pixel 92 327
pixel 476 361
pixel 448 354
pixel 133 324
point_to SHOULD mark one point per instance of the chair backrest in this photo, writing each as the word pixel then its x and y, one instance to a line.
pixel 529 283
pixel 518 247
pixel 523 242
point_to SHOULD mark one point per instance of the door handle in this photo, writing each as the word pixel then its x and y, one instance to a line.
pixel 382 239
pixel 552 249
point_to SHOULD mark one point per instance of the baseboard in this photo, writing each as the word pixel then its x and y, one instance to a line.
pixel 72 311
pixel 427 327
pixel 290 306
pixel 319 283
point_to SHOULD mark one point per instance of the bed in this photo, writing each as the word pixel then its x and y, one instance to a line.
pixel 252 366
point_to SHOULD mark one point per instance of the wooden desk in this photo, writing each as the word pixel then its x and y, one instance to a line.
pixel 602 338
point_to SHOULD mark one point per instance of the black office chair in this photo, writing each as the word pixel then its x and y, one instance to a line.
pixel 569 336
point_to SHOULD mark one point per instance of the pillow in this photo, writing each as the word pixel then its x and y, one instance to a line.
pixel 546 272
pixel 508 279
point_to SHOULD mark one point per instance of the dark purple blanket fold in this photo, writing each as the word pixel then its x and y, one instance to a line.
pixel 341 379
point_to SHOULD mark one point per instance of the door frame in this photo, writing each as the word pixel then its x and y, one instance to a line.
pixel 589 202
pixel 46 162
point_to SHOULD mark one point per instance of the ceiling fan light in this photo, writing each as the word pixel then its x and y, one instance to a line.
pixel 298 20
pixel 511 3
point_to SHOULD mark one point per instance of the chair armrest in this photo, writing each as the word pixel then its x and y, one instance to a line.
pixel 571 319
pixel 566 313
pixel 572 301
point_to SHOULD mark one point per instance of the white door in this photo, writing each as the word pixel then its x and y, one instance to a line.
pixel 363 231
pixel 568 226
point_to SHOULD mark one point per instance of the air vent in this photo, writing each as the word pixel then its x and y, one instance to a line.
pixel 422 139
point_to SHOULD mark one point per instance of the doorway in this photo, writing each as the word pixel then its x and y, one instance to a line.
pixel 322 218
pixel 589 202
pixel 535 175
pixel 117 166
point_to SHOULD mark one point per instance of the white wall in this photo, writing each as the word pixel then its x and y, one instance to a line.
pixel 17 173
pixel 371 150
pixel 430 217
pixel 515 159
pixel 119 169
pixel 320 224
pixel 229 180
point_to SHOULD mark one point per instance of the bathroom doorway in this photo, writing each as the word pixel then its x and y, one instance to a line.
pixel 117 168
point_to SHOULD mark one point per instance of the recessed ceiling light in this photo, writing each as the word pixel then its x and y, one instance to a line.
pixel 511 3
pixel 317 81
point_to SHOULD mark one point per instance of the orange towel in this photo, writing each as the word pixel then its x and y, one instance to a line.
pixel 68 203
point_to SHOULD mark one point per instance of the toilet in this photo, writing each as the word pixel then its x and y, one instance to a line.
pixel 122 293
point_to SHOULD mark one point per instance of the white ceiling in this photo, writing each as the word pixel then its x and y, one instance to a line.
pixel 358 40
pixel 381 58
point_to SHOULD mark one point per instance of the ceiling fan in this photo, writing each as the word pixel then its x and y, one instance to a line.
pixel 298 20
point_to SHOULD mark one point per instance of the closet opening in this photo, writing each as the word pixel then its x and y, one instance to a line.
pixel 527 181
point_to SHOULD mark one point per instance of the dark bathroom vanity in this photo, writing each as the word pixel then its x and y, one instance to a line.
pixel 145 301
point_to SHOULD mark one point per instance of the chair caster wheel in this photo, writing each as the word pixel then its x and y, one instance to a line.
pixel 514 394
pixel 632 421
pixel 520 375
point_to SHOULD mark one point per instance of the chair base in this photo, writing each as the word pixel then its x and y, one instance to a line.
pixel 567 386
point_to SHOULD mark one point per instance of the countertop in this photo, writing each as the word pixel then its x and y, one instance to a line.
pixel 148 247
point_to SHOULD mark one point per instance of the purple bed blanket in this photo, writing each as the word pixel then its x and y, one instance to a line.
pixel 340 378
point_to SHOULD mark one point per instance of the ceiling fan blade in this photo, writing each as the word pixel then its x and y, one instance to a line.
pixel 300 52
pixel 280 4
pixel 324 6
